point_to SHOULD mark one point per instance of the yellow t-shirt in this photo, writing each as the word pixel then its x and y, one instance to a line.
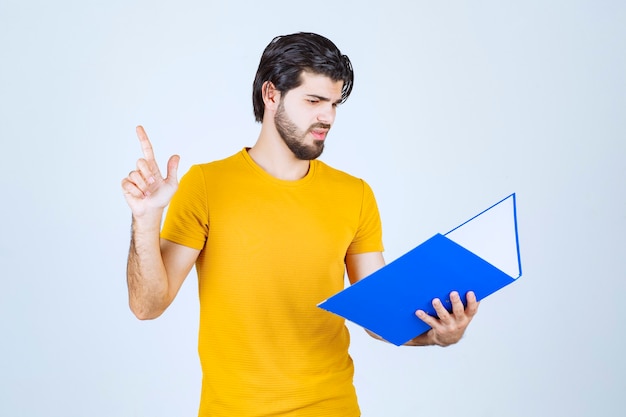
pixel 271 250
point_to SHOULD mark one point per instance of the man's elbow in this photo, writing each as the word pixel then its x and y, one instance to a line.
pixel 143 313
pixel 375 336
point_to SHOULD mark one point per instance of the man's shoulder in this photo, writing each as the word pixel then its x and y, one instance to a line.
pixel 231 160
pixel 205 173
pixel 327 171
pixel 219 165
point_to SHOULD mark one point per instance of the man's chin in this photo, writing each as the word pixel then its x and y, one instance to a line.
pixel 310 152
pixel 318 150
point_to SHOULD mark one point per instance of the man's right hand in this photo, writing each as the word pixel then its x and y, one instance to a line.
pixel 145 189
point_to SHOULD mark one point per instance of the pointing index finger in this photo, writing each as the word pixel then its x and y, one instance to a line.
pixel 146 146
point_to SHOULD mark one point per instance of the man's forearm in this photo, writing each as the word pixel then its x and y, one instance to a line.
pixel 424 339
pixel 146 274
pixel 421 340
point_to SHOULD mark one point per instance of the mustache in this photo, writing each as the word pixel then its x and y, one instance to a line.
pixel 319 126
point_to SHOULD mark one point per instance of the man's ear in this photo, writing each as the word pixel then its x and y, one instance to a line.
pixel 271 96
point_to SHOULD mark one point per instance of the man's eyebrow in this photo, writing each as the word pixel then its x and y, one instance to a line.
pixel 322 98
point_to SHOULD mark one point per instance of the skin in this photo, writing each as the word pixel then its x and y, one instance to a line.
pixel 157 267
pixel 308 107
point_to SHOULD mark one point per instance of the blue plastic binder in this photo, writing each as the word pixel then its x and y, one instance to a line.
pixel 480 255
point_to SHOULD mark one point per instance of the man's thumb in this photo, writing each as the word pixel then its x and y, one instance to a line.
pixel 172 167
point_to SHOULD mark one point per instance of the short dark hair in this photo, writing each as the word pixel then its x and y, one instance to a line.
pixel 286 57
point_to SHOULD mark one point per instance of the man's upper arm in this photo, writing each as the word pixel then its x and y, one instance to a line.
pixel 178 261
pixel 361 265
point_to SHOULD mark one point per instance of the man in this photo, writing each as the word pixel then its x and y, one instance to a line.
pixel 271 231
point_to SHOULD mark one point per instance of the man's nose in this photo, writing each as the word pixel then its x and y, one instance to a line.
pixel 327 115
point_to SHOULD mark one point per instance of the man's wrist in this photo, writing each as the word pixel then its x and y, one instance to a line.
pixel 147 221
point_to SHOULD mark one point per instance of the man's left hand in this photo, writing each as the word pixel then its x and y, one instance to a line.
pixel 447 328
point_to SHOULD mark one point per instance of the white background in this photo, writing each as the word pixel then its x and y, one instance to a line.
pixel 456 105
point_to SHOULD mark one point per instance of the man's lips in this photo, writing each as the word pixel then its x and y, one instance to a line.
pixel 319 134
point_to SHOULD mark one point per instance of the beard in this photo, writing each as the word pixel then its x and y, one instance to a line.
pixel 294 138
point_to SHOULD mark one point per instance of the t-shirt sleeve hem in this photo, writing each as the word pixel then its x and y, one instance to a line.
pixel 183 240
pixel 355 250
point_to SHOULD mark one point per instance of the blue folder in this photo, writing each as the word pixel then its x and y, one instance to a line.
pixel 480 255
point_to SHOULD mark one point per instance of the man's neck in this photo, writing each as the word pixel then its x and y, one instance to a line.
pixel 272 154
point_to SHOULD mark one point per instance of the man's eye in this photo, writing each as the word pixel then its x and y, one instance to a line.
pixel 313 101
